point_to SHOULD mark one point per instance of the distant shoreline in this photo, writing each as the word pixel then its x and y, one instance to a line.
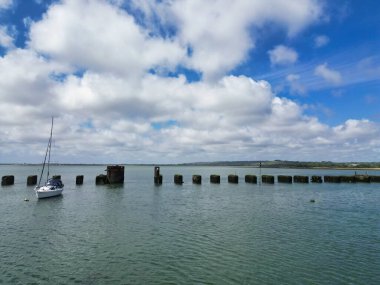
pixel 358 166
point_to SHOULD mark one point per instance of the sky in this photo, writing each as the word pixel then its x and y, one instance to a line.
pixel 174 81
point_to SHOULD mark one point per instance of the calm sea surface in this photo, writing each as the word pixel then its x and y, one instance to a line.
pixel 190 234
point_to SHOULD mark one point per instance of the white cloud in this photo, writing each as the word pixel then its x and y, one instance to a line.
pixel 328 74
pixel 115 110
pixel 98 36
pixel 282 55
pixel 296 86
pixel 6 39
pixel 321 40
pixel 5 4
pixel 220 33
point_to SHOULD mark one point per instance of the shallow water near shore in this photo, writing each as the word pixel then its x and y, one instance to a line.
pixel 139 233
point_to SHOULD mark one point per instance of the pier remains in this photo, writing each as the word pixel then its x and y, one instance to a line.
pixel 31 180
pixel 7 180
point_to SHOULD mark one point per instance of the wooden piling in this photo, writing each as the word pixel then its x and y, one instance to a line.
pixel 79 180
pixel 331 179
pixel 101 179
pixel 157 176
pixel 56 177
pixel 232 178
pixel 251 179
pixel 215 179
pixel 7 180
pixel 316 179
pixel 178 179
pixel 362 178
pixel 31 180
pixel 374 178
pixel 197 179
pixel 347 179
pixel 301 179
pixel 284 179
pixel 115 174
pixel 267 179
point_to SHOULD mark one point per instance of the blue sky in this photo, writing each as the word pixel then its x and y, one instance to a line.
pixel 184 81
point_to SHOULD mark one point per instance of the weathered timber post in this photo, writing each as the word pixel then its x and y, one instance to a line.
pixel 31 180
pixel 178 179
pixel 285 179
pixel 197 179
pixel 331 179
pixel 232 178
pixel 316 179
pixel 267 179
pixel 79 180
pixel 101 179
pixel 215 179
pixel 362 178
pixel 56 176
pixel 157 176
pixel 301 179
pixel 7 180
pixel 374 178
pixel 115 174
pixel 251 179
pixel 347 179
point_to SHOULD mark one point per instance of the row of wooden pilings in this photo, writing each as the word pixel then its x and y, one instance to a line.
pixel 270 179
pixel 115 175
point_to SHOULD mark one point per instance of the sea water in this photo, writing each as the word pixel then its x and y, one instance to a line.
pixel 139 233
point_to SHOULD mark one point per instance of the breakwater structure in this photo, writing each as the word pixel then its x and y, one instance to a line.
pixel 115 175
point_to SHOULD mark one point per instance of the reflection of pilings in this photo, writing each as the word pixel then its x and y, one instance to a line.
pixel 197 179
pixel 31 180
pixel 178 179
pixel 157 176
pixel 233 179
pixel 7 180
pixel 215 179
pixel 267 179
pixel 284 179
pixel 251 179
pixel 79 180
pixel 301 179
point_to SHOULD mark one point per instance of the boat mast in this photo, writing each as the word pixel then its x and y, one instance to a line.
pixel 49 147
pixel 46 153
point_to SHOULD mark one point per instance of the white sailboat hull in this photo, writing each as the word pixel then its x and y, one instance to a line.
pixel 46 192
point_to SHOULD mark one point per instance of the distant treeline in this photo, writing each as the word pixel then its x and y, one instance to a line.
pixel 290 164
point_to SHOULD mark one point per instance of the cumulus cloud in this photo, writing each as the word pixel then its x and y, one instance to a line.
pixel 282 55
pixel 321 40
pixel 102 73
pixel 98 36
pixel 328 74
pixel 6 39
pixel 219 33
pixel 5 4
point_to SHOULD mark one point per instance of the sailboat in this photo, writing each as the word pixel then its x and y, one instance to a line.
pixel 53 186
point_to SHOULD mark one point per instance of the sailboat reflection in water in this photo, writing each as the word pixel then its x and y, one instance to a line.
pixel 53 186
